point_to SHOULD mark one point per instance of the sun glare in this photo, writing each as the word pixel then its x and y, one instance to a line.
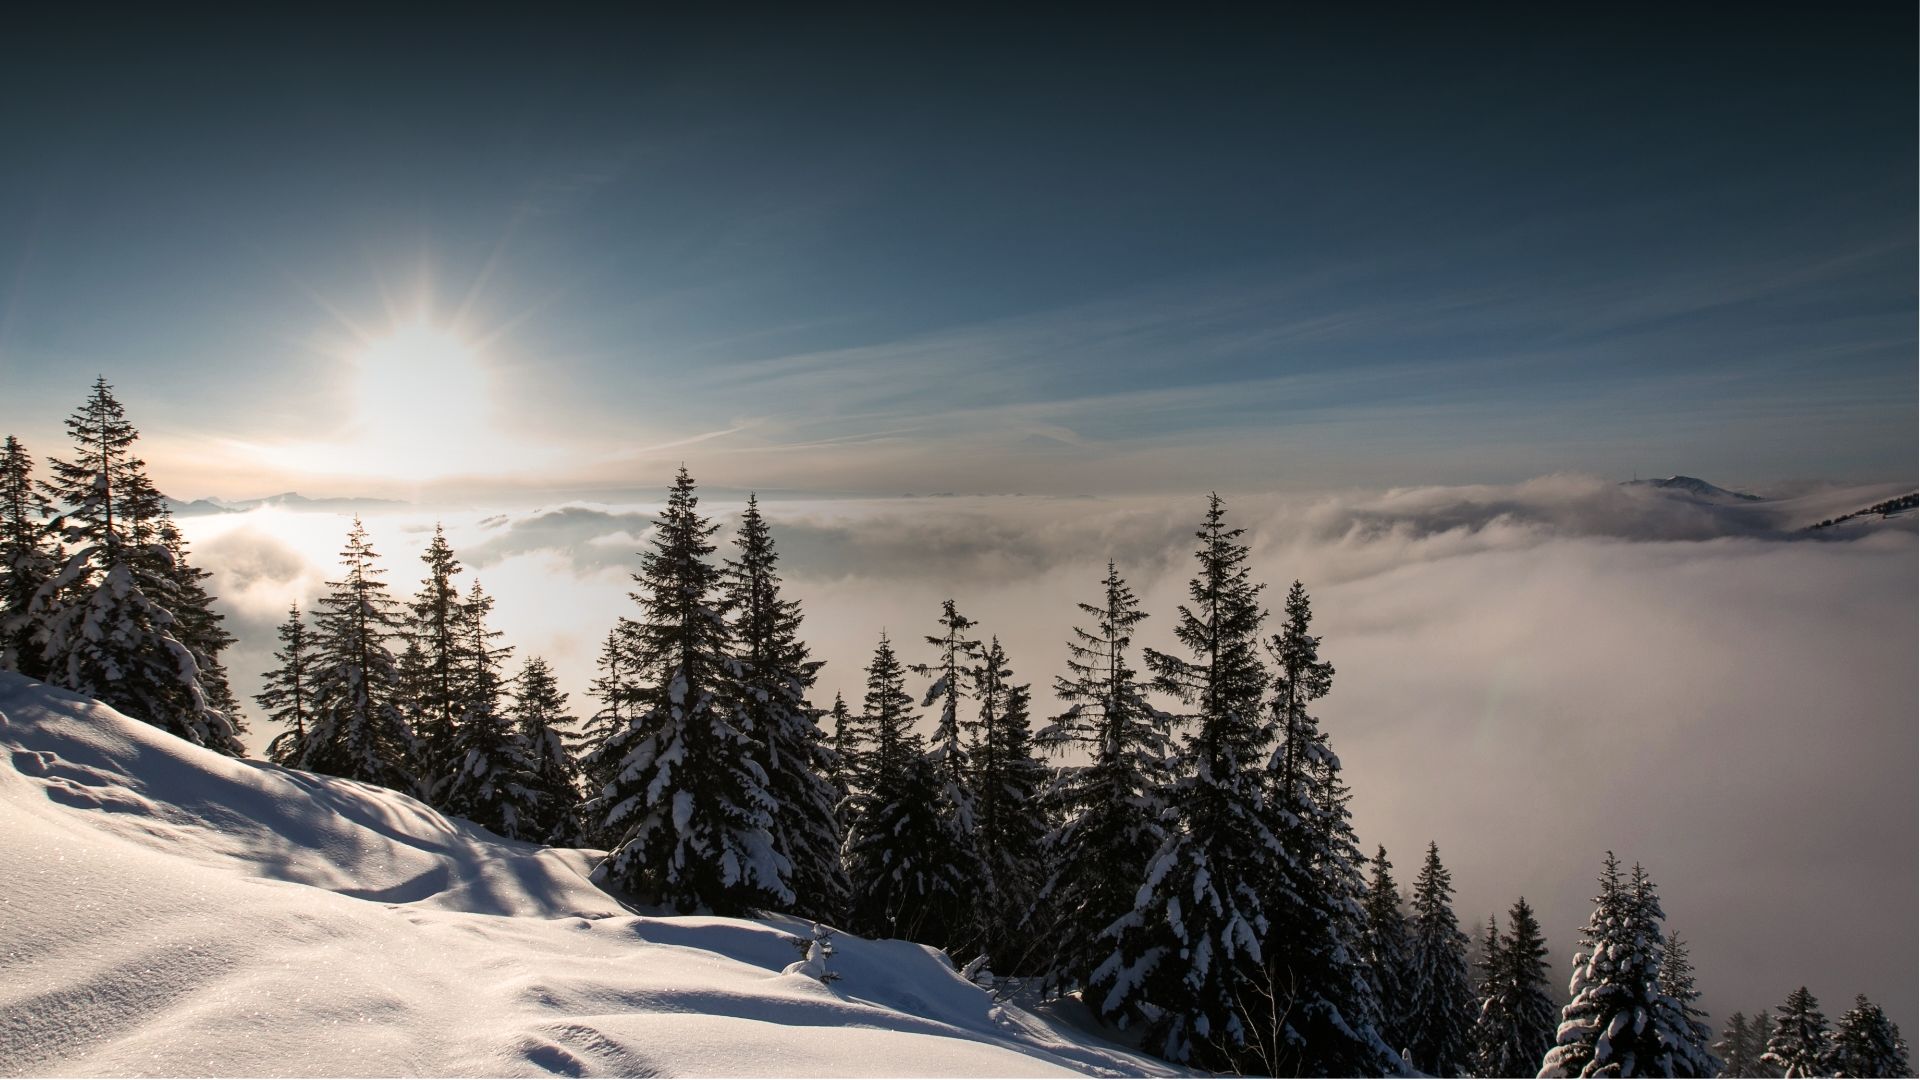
pixel 423 403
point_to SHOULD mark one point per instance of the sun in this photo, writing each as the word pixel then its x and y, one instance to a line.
pixel 423 403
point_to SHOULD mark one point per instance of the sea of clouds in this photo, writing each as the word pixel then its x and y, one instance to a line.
pixel 1527 674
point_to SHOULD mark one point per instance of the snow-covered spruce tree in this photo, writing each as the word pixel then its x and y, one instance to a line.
pixel 1619 1023
pixel 1441 1004
pixel 1186 959
pixel 688 806
pixel 1866 1043
pixel 287 691
pixel 1684 1040
pixel 901 848
pixel 613 686
pixel 103 623
pixel 954 683
pixel 1109 808
pixel 539 714
pixel 776 673
pixel 1800 1044
pixel 490 775
pixel 431 666
pixel 359 728
pixel 1516 1023
pixel 1489 964
pixel 1686 1017
pixel 1325 1018
pixel 1760 1028
pixel 1008 781
pixel 1387 950
pixel 29 557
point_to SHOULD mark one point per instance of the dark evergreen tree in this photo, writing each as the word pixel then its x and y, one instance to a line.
pixel 1683 1012
pixel 1737 1058
pixel 954 683
pixel 613 686
pixel 1488 965
pixel 1441 1004
pixel 849 744
pixel 901 848
pixel 1008 781
pixel 539 714
pixel 490 778
pixel 776 675
pixel 1325 1016
pixel 1800 1044
pixel 359 728
pixel 287 691
pixel 1387 949
pixel 1516 1024
pixel 29 557
pixel 1109 808
pixel 1866 1043
pixel 1761 1026
pixel 1619 1023
pixel 109 624
pixel 688 805
pixel 1187 959
pixel 431 667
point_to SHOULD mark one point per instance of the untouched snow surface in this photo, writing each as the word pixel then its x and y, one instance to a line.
pixel 165 910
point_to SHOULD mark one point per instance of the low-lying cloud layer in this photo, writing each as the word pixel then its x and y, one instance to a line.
pixel 1528 674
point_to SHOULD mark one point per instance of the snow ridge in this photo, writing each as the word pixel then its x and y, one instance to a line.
pixel 173 911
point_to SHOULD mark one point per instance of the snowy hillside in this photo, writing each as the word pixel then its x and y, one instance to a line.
pixel 171 911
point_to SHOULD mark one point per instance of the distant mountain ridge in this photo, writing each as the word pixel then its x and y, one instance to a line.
pixel 291 499
pixel 1905 504
pixel 1692 485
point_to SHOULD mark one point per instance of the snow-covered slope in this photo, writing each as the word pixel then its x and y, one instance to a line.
pixel 165 910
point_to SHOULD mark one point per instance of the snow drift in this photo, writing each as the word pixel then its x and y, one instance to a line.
pixel 166 910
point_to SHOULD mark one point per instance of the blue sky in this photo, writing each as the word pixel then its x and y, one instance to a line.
pixel 860 255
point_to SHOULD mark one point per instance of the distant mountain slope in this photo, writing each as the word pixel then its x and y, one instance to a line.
pixel 290 499
pixel 1692 485
pixel 170 911
pixel 1904 505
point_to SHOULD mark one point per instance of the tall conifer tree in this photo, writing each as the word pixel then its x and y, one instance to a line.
pixel 1683 1010
pixel 359 728
pixel 1801 1044
pixel 1441 1004
pixel 489 773
pixel 539 714
pixel 29 558
pixel 1008 781
pixel 1187 959
pixel 1108 809
pixel 1517 1017
pixel 901 850
pixel 777 673
pixel 614 684
pixel 1387 949
pixel 432 668
pixel 110 623
pixel 688 806
pixel 1619 1023
pixel 1867 1043
pixel 1327 1017
pixel 287 690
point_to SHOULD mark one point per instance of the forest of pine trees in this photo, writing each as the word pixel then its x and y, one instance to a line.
pixel 1174 847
